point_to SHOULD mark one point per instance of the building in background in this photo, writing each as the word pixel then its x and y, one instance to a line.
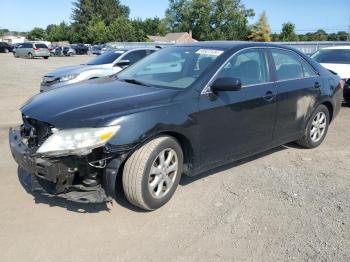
pixel 174 38
pixel 12 39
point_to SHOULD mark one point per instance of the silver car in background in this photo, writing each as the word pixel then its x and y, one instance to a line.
pixel 104 65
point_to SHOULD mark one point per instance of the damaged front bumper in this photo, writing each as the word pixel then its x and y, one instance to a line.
pixel 85 179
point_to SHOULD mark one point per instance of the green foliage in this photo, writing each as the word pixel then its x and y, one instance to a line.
pixel 4 32
pixel 97 31
pixel 85 11
pixel 260 31
pixel 37 34
pixel 61 32
pixel 209 19
pixel 288 32
pixel 121 30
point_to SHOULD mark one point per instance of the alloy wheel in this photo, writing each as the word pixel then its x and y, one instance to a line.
pixel 163 173
pixel 318 127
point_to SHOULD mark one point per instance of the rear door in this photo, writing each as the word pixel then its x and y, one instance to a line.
pixel 298 86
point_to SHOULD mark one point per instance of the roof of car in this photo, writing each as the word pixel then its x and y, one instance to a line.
pixel 232 44
pixel 337 47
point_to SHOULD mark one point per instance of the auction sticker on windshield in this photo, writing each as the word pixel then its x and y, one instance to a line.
pixel 212 52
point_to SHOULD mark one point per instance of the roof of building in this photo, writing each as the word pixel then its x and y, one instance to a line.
pixel 170 37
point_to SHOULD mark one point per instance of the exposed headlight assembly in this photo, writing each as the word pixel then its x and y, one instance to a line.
pixel 78 141
pixel 67 77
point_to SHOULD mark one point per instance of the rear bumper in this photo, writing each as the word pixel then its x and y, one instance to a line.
pixel 57 177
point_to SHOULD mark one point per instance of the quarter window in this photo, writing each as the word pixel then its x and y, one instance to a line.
pixel 287 65
pixel 308 70
pixel 249 66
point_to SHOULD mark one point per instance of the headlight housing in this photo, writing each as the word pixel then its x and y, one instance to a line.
pixel 68 77
pixel 78 141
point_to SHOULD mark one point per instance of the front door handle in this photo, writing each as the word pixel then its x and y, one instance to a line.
pixel 269 96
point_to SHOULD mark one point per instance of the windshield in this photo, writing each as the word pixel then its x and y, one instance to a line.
pixel 172 67
pixel 332 56
pixel 106 58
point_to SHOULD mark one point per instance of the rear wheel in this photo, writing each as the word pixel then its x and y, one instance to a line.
pixel 152 173
pixel 15 55
pixel 6 50
pixel 316 128
pixel 30 56
pixel 46 57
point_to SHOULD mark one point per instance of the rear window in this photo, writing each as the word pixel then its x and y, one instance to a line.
pixel 332 56
pixel 40 46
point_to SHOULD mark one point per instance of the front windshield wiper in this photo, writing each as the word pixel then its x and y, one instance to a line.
pixel 134 81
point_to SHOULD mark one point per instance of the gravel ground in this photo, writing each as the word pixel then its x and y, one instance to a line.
pixel 288 204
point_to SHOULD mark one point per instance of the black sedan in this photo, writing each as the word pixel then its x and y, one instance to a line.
pixel 182 110
pixel 5 47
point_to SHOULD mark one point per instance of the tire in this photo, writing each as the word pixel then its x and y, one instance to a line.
pixel 30 56
pixel 46 57
pixel 316 128
pixel 14 54
pixel 141 186
pixel 70 54
pixel 6 50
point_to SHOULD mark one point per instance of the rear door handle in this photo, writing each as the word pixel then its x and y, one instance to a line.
pixel 317 85
pixel 269 96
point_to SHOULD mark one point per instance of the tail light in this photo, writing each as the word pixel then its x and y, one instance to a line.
pixel 36 49
pixel 342 83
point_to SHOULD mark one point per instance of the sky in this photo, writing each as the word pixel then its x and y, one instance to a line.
pixel 307 15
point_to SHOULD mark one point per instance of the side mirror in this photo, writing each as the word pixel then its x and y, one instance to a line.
pixel 226 84
pixel 123 63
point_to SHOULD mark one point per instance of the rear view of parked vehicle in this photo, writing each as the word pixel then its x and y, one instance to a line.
pixel 107 64
pixel 337 59
pixel 80 49
pixel 68 51
pixel 5 47
pixel 32 50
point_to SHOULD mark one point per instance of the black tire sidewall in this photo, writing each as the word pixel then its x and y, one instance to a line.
pixel 148 199
pixel 320 108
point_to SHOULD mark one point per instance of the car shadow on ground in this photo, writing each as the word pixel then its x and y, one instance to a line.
pixel 120 198
pixel 185 180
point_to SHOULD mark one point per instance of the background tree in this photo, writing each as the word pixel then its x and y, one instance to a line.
pixel 121 30
pixel 209 19
pixel 288 32
pixel 61 32
pixel 97 31
pixel 37 34
pixel 84 12
pixel 260 31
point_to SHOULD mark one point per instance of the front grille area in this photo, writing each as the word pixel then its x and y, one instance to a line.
pixel 35 131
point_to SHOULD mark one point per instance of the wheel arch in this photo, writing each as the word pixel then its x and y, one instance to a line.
pixel 330 108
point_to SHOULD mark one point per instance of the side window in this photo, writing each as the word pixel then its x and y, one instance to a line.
pixel 249 66
pixel 287 64
pixel 308 70
pixel 135 56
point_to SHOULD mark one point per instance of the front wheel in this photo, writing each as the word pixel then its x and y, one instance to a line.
pixel 152 173
pixel 6 50
pixel 30 56
pixel 316 128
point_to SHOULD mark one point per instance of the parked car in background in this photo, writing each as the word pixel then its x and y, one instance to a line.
pixel 336 59
pixel 80 49
pixel 5 47
pixel 32 50
pixel 56 51
pixel 104 65
pixel 68 51
pixel 96 50
pixel 227 101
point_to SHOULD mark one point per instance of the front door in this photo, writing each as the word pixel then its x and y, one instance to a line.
pixel 235 123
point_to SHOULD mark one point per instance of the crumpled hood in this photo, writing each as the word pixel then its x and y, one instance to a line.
pixel 94 103
pixel 343 70
pixel 76 69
